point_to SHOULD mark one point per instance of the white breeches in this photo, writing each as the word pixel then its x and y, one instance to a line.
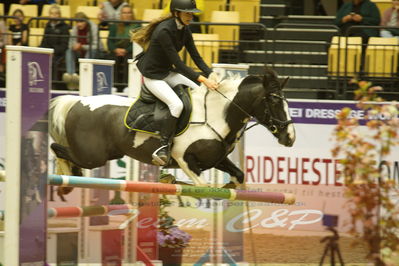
pixel 162 89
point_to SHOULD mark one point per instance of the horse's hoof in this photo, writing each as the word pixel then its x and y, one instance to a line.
pixel 230 185
pixel 167 178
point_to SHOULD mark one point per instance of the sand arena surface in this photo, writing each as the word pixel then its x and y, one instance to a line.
pixel 276 250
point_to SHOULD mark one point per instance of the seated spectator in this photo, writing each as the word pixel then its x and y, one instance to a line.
pixel 18 30
pixel 56 36
pixel 3 43
pixel 110 10
pixel 390 18
pixel 358 13
pixel 120 46
pixel 82 43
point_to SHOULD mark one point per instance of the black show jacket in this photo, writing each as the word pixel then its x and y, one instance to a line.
pixel 162 55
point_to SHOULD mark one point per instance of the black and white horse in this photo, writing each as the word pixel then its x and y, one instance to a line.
pixel 91 130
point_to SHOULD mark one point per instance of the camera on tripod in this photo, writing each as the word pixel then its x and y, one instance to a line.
pixel 332 247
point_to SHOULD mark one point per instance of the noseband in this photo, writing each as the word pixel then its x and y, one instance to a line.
pixel 273 124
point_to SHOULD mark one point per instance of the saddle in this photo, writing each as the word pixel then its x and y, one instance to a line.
pixel 147 112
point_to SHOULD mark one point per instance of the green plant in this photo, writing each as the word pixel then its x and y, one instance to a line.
pixel 372 196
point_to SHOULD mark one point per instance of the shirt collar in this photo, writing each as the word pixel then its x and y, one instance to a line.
pixel 178 24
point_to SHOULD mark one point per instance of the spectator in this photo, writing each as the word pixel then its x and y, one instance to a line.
pixel 390 18
pixel 120 46
pixel 358 13
pixel 82 43
pixel 3 43
pixel 56 35
pixel 18 30
pixel 110 10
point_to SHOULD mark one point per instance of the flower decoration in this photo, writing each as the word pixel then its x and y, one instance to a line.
pixel 170 235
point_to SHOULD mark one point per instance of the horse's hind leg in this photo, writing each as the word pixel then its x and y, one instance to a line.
pixel 64 167
pixel 236 175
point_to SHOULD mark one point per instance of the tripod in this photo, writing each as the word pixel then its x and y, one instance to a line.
pixel 332 246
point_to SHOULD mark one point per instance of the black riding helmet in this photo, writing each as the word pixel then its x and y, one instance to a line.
pixel 184 6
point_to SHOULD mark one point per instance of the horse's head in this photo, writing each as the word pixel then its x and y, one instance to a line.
pixel 270 108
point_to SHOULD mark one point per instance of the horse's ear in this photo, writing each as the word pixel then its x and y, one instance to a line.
pixel 284 82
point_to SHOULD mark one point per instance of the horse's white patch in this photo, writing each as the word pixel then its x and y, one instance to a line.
pixel 290 128
pixel 98 101
pixel 140 138
pixel 215 109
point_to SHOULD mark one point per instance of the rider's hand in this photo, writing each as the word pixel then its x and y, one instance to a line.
pixel 210 84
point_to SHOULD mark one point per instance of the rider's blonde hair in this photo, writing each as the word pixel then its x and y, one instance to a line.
pixel 142 36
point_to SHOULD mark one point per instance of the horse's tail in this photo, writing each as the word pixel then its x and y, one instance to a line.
pixel 59 109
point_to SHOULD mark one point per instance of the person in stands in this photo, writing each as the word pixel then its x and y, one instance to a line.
pixel 119 45
pixel 110 10
pixel 83 43
pixel 18 30
pixel 56 36
pixel 390 18
pixel 358 13
pixel 162 68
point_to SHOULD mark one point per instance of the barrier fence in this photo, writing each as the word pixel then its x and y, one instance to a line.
pixel 319 59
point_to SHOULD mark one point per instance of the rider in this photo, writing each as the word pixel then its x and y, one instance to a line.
pixel 161 65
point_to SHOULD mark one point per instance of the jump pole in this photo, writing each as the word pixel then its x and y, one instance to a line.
pixel 170 189
pixel 28 91
pixel 86 211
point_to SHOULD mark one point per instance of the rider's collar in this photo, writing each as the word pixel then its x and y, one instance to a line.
pixel 179 24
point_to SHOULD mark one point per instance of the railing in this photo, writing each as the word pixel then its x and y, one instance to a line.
pixel 335 61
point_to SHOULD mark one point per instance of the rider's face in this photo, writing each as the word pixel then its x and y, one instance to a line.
pixel 186 17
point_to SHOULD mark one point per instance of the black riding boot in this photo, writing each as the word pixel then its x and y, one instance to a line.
pixel 162 155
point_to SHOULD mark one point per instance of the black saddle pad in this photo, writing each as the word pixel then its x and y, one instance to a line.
pixel 146 113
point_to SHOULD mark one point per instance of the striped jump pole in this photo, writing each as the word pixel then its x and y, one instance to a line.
pixel 170 189
pixel 86 211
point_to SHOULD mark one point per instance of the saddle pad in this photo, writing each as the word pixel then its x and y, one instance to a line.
pixel 145 117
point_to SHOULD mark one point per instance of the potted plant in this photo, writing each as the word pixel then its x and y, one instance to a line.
pixel 171 239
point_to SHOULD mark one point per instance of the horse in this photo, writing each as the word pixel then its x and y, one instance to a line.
pixel 91 129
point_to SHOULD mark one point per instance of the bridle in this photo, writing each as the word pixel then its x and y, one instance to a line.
pixel 273 124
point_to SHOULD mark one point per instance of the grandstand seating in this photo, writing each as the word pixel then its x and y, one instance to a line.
pixel 141 5
pixel 226 32
pixel 208 47
pixel 305 48
pixel 382 57
pixel 210 6
pixel 249 9
pixel 35 36
pixel 344 56
pixel 150 14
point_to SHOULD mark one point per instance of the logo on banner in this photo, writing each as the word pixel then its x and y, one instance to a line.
pixel 35 73
pixel 102 83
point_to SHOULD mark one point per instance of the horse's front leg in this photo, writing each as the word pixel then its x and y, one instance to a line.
pixel 190 167
pixel 236 175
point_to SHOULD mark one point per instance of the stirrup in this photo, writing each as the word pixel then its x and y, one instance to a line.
pixel 155 158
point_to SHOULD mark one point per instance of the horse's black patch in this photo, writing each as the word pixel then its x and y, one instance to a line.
pixel 147 112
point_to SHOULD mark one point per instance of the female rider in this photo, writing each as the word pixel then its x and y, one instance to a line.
pixel 161 65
